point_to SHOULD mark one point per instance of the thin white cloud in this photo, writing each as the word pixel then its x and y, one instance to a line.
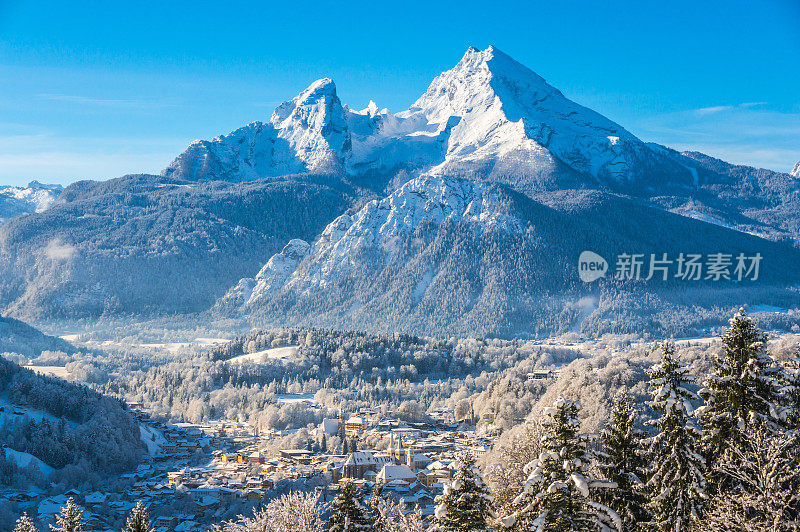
pixel 58 250
pixel 66 159
pixel 713 110
pixel 747 133
pixel 108 102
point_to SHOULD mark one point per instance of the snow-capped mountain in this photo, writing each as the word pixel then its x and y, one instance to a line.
pixel 250 292
pixel 513 126
pixel 36 197
pixel 489 117
pixel 464 214
pixel 796 170
pixel 380 228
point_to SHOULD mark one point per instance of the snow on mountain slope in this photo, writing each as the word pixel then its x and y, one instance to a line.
pixel 442 255
pixel 252 291
pixel 489 118
pixel 380 229
pixel 36 197
pixel 426 201
pixel 796 170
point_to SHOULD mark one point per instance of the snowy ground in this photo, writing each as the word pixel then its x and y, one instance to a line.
pixel 259 357
pixel 25 459
pixel 51 371
pixel 295 398
pixel 37 415
pixel 153 439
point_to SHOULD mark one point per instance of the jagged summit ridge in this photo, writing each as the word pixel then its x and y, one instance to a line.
pixel 488 118
pixel 308 133
pixel 315 126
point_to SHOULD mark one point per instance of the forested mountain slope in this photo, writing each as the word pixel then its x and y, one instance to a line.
pixel 148 244
pixel 447 256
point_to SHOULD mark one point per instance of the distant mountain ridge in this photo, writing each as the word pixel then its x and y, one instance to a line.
pixel 35 197
pixel 146 244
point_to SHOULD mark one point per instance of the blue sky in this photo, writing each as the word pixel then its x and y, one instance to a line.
pixel 95 90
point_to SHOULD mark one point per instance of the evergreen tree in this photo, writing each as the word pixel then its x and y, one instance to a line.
pixel 347 511
pixel 743 385
pixel 677 483
pixel 767 475
pixel 138 520
pixel 466 504
pixel 790 389
pixel 25 524
pixel 70 519
pixel 621 462
pixel 324 444
pixel 559 494
pixel 377 511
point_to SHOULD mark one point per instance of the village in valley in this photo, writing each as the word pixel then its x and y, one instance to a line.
pixel 197 473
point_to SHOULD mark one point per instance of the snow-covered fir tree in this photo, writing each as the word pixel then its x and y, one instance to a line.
pixel 790 389
pixel 677 474
pixel 560 493
pixel 378 511
pixel 25 524
pixel 348 513
pixel 139 519
pixel 765 467
pixel 622 463
pixel 295 511
pixel 743 386
pixel 70 519
pixel 396 517
pixel 466 504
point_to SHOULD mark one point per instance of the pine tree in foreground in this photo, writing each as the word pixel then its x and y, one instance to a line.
pixel 24 524
pixel 466 504
pixel 295 511
pixel 766 469
pixel 70 519
pixel 138 520
pixel 560 494
pixel 677 483
pixel 347 511
pixel 621 462
pixel 743 386
pixel 378 511
pixel 790 389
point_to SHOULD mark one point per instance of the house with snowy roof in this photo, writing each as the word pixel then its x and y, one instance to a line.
pixel 391 472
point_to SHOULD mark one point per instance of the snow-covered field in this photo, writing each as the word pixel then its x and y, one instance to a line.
pixel 25 459
pixel 287 398
pixel 152 439
pixel 259 357
pixel 51 371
